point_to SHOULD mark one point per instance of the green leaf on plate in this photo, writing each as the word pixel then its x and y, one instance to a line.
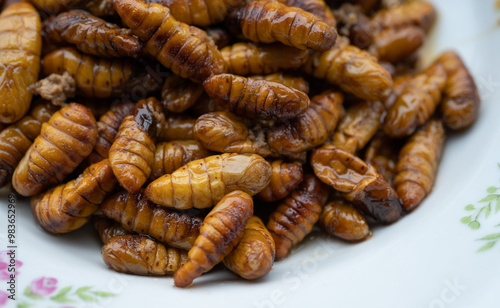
pixel 497 206
pixel 494 236
pixel 466 219
pixel 491 189
pixel 486 246
pixel 62 299
pixel 83 289
pixel 24 305
pixel 470 207
pixel 474 225
pixel 27 292
pixel 487 212
pixel 87 297
pixel 63 291
pixel 103 294
pixel 489 198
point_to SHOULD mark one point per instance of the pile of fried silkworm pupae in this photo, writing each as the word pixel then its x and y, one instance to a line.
pixel 195 132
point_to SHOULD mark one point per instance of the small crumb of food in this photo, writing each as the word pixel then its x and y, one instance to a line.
pixel 55 88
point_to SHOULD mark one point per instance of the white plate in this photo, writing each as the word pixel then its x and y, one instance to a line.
pixel 428 259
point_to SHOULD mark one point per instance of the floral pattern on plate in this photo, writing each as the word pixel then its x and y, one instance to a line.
pixel 480 212
pixel 46 291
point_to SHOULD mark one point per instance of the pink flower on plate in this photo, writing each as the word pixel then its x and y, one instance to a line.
pixel 43 286
pixel 4 263
pixel 4 297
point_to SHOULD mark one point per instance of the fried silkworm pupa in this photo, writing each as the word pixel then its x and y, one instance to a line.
pixel 382 153
pixel 64 141
pixel 202 183
pixel 20 49
pixel 340 219
pixel 221 230
pixel 220 36
pixel 177 127
pixel 296 215
pixel 200 13
pixel 187 51
pixel 253 256
pixel 170 156
pixel 284 179
pixel 52 7
pixel 108 228
pixel 395 33
pixel 461 100
pixel 139 255
pixel 132 153
pixel 99 77
pixel 352 69
pixel 179 94
pixel 225 132
pixel 360 122
pixel 48 45
pixel 256 99
pixel 257 59
pixel 411 13
pixel 69 206
pixel 417 102
pixel 316 7
pixel 358 182
pixel 417 165
pixel 16 139
pixel 394 45
pixel 290 81
pixel 309 129
pixel 269 21
pixel 92 35
pixel 107 128
pixel 398 87
pixel 137 214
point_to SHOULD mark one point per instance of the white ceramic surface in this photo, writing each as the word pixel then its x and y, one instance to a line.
pixel 428 259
